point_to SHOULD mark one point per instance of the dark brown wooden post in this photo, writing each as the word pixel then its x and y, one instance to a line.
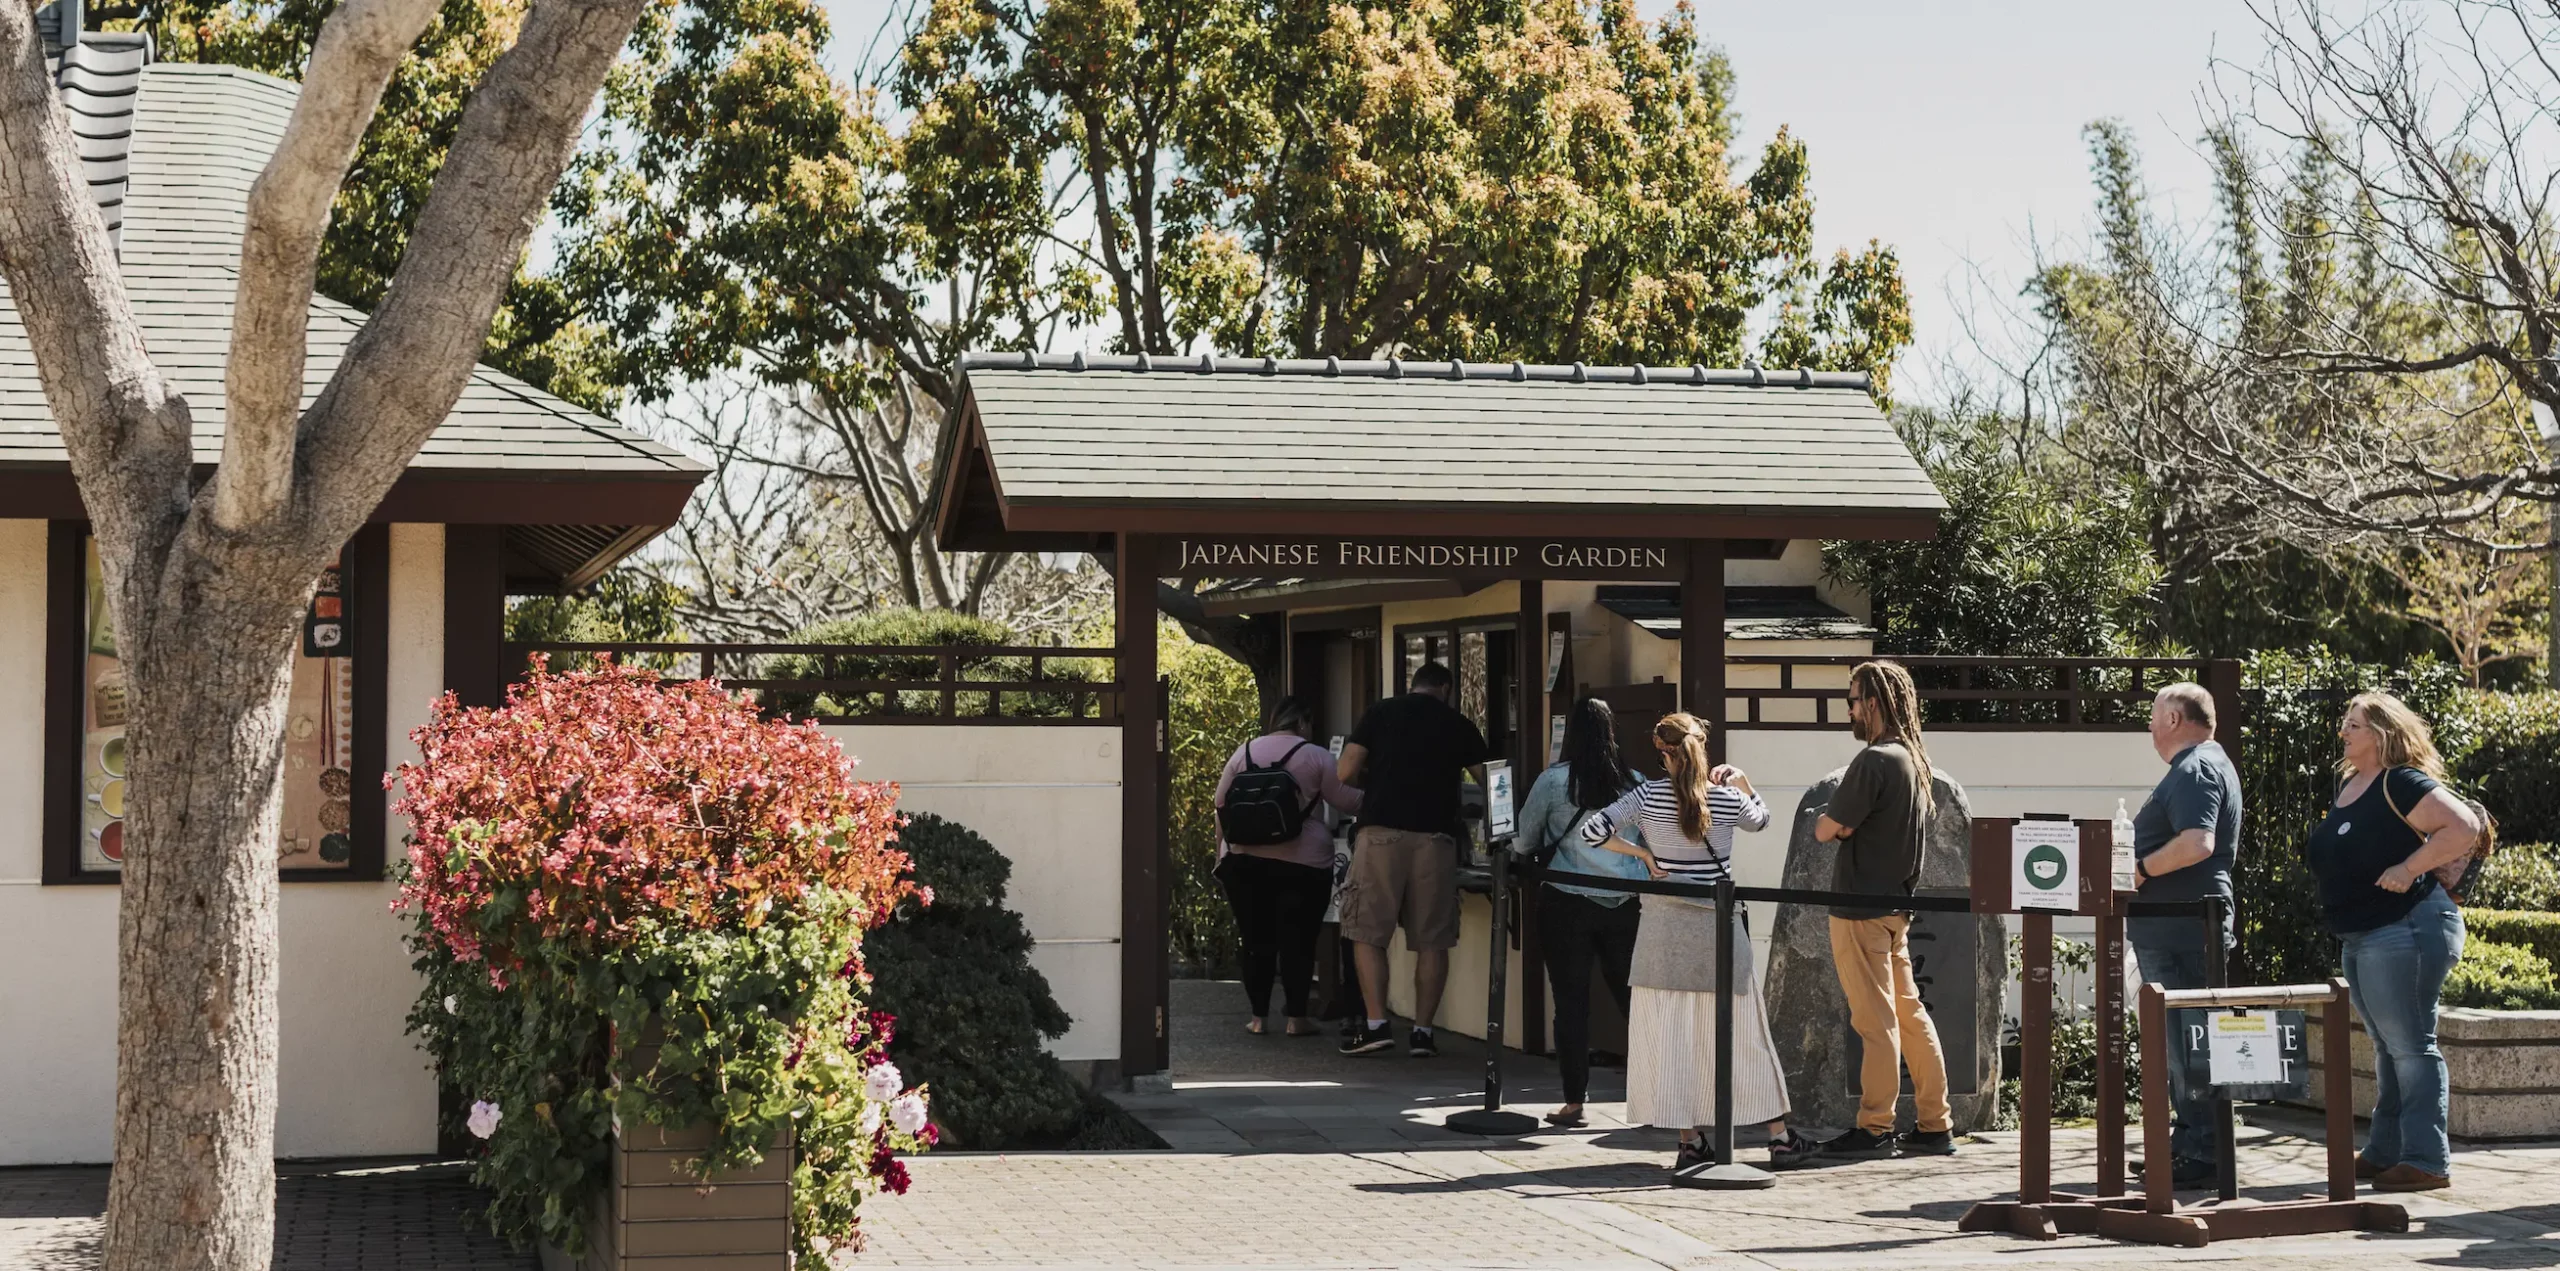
pixel 2222 679
pixel 2338 1090
pixel 2159 1192
pixel 475 614
pixel 1702 640
pixel 1529 757
pixel 2111 1046
pixel 1142 849
pixel 2035 1058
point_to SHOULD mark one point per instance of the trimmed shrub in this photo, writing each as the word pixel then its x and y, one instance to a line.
pixel 2536 931
pixel 971 1009
pixel 2511 761
pixel 2520 876
pixel 922 628
pixel 2502 977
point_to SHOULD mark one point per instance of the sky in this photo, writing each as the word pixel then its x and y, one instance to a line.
pixel 1947 129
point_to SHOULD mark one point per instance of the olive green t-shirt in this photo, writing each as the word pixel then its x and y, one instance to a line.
pixel 1879 799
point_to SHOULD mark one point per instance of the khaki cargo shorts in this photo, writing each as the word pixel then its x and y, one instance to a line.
pixel 1402 877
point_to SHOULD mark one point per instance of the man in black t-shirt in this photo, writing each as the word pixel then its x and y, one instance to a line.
pixel 1407 758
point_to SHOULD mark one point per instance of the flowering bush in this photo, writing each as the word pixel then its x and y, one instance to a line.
pixel 637 900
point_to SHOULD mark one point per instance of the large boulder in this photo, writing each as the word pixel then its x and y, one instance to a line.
pixel 1960 960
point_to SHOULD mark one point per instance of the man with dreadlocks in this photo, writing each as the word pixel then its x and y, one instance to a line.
pixel 1878 815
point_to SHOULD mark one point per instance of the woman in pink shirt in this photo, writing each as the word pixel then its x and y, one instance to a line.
pixel 1278 883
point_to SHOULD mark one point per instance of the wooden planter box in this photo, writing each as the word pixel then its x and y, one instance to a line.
pixel 2504 1068
pixel 656 1217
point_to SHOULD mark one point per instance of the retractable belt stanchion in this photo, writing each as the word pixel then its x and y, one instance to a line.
pixel 1492 1118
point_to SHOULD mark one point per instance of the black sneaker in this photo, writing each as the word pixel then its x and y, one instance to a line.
pixel 1368 1041
pixel 1796 1151
pixel 1929 1143
pixel 1421 1045
pixel 1862 1145
pixel 2185 1173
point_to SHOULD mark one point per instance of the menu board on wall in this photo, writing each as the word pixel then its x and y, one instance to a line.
pixel 319 735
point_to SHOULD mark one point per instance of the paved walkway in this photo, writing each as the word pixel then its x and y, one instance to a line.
pixel 1285 1155
pixel 350 1216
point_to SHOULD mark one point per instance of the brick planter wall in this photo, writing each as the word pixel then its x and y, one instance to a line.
pixel 656 1217
pixel 2504 1068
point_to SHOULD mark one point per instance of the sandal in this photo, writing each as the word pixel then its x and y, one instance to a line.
pixel 1254 1026
pixel 1691 1153
pixel 1300 1028
pixel 1563 1119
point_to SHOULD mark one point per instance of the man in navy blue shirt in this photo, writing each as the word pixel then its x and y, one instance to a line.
pixel 2185 839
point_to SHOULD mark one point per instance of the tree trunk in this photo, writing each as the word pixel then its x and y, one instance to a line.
pixel 194 1180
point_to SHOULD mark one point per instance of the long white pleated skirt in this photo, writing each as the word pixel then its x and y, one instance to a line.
pixel 1671 1061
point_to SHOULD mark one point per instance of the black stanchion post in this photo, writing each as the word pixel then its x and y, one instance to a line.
pixel 1722 1172
pixel 2226 1154
pixel 1491 1118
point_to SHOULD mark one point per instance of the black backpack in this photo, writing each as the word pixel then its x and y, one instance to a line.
pixel 1261 808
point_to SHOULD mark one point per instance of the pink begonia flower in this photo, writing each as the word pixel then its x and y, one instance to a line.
pixel 484 1119
pixel 883 1082
pixel 907 1113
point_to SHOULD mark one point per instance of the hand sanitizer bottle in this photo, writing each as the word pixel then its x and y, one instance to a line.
pixel 2124 848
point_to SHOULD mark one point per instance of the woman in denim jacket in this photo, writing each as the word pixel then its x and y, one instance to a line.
pixel 1580 927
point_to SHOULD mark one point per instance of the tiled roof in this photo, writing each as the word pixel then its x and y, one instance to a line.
pixel 200 134
pixel 1238 434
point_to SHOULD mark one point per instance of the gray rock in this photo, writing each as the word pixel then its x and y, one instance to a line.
pixel 1810 1017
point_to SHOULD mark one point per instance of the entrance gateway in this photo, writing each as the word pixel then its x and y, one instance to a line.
pixel 1402 472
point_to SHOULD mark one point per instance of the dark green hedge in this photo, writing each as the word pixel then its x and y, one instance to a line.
pixel 2521 876
pixel 2288 773
pixel 2497 976
pixel 971 1010
pixel 2538 933
pixel 2511 762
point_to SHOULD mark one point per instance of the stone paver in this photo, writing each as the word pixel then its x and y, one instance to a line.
pixel 1286 1155
pixel 335 1216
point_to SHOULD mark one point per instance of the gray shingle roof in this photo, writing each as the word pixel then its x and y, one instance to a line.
pixel 200 135
pixel 1251 434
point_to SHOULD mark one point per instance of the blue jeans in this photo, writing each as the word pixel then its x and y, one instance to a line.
pixel 2170 953
pixel 2395 973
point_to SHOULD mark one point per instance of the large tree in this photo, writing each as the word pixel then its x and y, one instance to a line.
pixel 206 580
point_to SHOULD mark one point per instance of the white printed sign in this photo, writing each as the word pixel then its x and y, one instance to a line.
pixel 1499 817
pixel 2044 865
pixel 2243 1050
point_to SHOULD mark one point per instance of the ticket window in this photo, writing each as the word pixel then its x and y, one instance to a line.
pixel 1484 659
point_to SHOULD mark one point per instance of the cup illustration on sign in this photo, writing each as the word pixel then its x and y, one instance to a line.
pixel 2045 866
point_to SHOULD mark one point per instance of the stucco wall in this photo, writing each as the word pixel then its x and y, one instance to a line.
pixel 350 1083
pixel 1049 799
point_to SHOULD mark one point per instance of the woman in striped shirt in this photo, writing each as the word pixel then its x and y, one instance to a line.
pixel 1681 825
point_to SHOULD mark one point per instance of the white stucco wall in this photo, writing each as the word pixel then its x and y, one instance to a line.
pixel 1049 799
pixel 350 1082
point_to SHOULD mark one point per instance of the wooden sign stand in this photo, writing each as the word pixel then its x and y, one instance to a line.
pixel 2162 1220
pixel 2154 1217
